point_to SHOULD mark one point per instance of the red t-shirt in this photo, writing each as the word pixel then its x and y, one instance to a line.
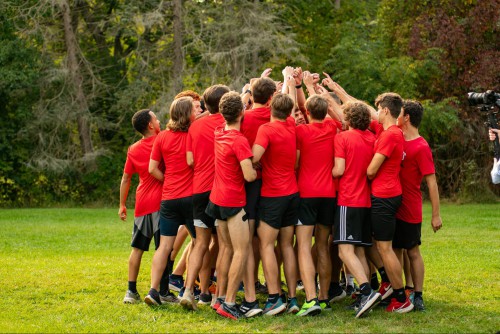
pixel 386 182
pixel 148 192
pixel 170 147
pixel 315 141
pixel 376 128
pixel 231 147
pixel 200 142
pixel 417 163
pixel 278 162
pixel 252 120
pixel 356 148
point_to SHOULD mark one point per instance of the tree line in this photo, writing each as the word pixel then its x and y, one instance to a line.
pixel 73 72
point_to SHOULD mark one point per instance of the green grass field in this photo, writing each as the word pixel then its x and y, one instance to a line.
pixel 65 270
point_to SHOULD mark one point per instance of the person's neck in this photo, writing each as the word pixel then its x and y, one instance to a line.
pixel 274 119
pixel 148 135
pixel 235 126
pixel 258 105
pixel 312 120
pixel 410 132
pixel 388 122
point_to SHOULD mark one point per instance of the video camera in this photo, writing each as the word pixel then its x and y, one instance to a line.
pixel 487 102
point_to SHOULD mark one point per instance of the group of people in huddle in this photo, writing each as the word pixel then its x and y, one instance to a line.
pixel 255 176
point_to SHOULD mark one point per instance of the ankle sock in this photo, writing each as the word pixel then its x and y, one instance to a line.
pixel 383 274
pixel 365 289
pixel 400 295
pixel 273 298
pixel 132 286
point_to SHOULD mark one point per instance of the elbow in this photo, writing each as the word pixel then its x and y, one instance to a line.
pixel 190 163
pixel 251 177
pixel 370 174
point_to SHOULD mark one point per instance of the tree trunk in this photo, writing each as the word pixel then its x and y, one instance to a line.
pixel 80 103
pixel 178 62
pixel 337 4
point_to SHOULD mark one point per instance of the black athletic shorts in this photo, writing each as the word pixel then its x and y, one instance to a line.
pixel 223 212
pixel 407 235
pixel 253 196
pixel 317 210
pixel 174 213
pixel 201 219
pixel 145 228
pixel 352 226
pixel 279 212
pixel 383 216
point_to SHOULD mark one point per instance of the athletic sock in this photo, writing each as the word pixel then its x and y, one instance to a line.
pixel 230 304
pixel 349 280
pixel 164 282
pixel 177 276
pixel 365 289
pixel 374 281
pixel 273 298
pixel 409 287
pixel 400 295
pixel 418 293
pixel 383 274
pixel 308 301
pixel 132 286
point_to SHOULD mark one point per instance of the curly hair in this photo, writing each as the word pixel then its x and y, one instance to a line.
pixel 180 114
pixel 231 106
pixel 357 114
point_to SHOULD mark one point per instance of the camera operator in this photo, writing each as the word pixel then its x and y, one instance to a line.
pixel 495 171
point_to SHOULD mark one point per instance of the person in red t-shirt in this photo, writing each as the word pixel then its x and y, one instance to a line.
pixel 262 91
pixel 417 165
pixel 147 199
pixel 386 197
pixel 200 155
pixel 233 166
pixel 176 202
pixel 275 148
pixel 315 158
pixel 352 232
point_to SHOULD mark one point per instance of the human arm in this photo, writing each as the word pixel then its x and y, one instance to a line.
pixel 266 73
pixel 292 92
pixel 154 170
pixel 436 222
pixel 257 152
pixel 190 158
pixel 301 97
pixel 287 72
pixel 246 94
pixel 374 166
pixel 249 173
pixel 308 82
pixel 124 188
pixel 339 167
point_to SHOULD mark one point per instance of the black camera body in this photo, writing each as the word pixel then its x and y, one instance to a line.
pixel 489 103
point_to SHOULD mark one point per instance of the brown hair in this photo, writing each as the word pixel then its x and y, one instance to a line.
pixel 392 101
pixel 263 89
pixel 317 107
pixel 140 120
pixel 357 114
pixel 231 107
pixel 212 96
pixel 281 106
pixel 190 93
pixel 180 114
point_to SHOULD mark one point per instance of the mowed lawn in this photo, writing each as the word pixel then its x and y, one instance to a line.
pixel 65 270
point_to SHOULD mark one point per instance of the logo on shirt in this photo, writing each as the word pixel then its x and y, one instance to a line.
pixel 350 237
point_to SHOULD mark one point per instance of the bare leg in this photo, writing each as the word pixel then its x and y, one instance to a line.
pixel 160 260
pixel 180 269
pixel 417 266
pixel 134 263
pixel 324 264
pixel 348 256
pixel 289 261
pixel 224 259
pixel 248 278
pixel 267 237
pixel 306 264
pixel 203 236
pixel 391 263
pixel 407 269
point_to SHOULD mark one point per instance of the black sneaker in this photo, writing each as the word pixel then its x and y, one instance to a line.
pixel 260 289
pixel 367 302
pixel 205 299
pixel 153 298
pixel 249 310
pixel 355 304
pixel 231 312
pixel 336 294
pixel 418 303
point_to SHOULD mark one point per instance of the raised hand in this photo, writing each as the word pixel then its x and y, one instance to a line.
pixel 287 71
pixel 266 73
pixel 298 75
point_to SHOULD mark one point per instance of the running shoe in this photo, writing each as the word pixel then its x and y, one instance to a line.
pixel 300 285
pixel 336 294
pixel 325 305
pixel 312 308
pixel 131 297
pixel 212 288
pixel 292 305
pixel 169 298
pixel 175 283
pixel 274 308
pixel 217 304
pixel 205 299
pixel 385 290
pixel 418 303
pixel 153 298
pixel 230 312
pixel 410 294
pixel 249 310
pixel 260 288
pixel 399 307
pixel 188 301
pixel 355 304
pixel 366 303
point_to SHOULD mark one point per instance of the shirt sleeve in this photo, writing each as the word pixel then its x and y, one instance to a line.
pixel 242 149
pixel 156 151
pixel 385 144
pixel 339 146
pixel 189 142
pixel 129 165
pixel 376 128
pixel 262 138
pixel 425 161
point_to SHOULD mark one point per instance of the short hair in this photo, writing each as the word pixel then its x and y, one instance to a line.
pixel 281 106
pixel 140 120
pixel 317 107
pixel 415 110
pixel 392 101
pixel 231 107
pixel 263 89
pixel 180 114
pixel 357 114
pixel 212 96
pixel 192 94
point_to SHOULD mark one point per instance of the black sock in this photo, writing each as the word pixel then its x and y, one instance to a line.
pixel 383 274
pixel 365 289
pixel 400 295
pixel 308 301
pixel 418 293
pixel 374 282
pixel 177 277
pixel 164 282
pixel 273 298
pixel 132 286
pixel 170 266
pixel 409 288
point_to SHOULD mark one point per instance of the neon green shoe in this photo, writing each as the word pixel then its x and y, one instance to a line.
pixel 311 308
pixel 325 305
